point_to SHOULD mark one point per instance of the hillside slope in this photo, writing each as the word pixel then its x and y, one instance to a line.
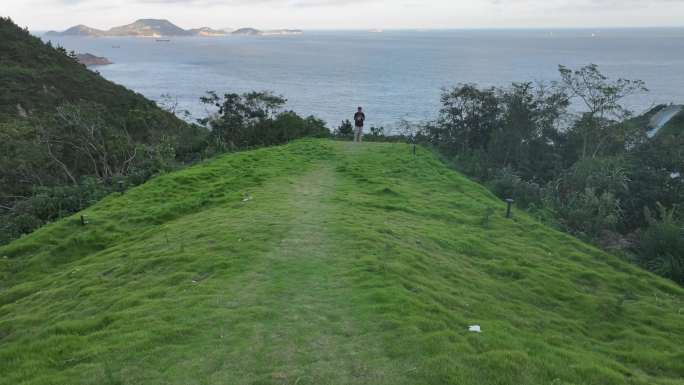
pixel 324 262
pixel 66 131
pixel 36 78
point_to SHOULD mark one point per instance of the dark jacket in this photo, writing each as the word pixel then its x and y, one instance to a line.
pixel 359 118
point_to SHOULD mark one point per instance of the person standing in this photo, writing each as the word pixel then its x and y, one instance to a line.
pixel 359 118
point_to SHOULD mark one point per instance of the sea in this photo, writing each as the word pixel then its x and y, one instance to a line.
pixel 395 75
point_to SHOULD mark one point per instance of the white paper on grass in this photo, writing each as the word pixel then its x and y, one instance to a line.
pixel 475 329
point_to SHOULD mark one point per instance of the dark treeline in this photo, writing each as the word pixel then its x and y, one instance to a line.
pixel 594 173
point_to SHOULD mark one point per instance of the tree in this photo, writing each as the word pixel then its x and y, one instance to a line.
pixel 527 132
pixel 256 119
pixel 655 170
pixel 467 119
pixel 81 142
pixel 603 120
pixel 344 130
pixel 237 114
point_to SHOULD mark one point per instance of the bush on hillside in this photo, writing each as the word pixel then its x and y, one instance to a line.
pixel 507 184
pixel 62 124
pixel 661 247
pixel 345 130
pixel 592 172
pixel 47 204
pixel 256 119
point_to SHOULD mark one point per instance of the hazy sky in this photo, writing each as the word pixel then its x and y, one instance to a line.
pixel 348 14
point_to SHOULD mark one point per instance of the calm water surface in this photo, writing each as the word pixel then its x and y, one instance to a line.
pixel 394 75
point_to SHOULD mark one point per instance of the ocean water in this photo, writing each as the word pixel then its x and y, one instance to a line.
pixel 395 75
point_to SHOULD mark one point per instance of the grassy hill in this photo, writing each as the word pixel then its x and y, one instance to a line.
pixel 36 78
pixel 325 262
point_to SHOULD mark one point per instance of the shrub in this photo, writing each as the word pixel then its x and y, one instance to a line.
pixel 661 246
pixel 345 130
pixel 256 119
pixel 586 213
pixel 507 184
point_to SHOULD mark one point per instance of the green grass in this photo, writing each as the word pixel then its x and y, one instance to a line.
pixel 325 262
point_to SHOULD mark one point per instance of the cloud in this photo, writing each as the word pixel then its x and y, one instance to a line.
pixel 344 14
pixel 295 3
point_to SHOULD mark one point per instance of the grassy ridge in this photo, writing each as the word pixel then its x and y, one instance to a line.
pixel 326 263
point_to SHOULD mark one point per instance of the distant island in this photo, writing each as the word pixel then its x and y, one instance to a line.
pixel 270 32
pixel 92 60
pixel 206 31
pixel 78 30
pixel 156 28
pixel 246 32
pixel 142 28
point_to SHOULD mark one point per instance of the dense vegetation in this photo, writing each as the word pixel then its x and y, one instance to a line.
pixel 324 262
pixel 593 173
pixel 256 119
pixel 68 137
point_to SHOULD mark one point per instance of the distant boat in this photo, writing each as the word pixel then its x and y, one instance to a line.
pixel 163 40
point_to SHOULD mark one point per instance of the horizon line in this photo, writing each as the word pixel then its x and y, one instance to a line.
pixel 484 28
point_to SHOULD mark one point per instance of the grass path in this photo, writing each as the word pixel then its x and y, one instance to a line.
pixel 312 336
pixel 326 263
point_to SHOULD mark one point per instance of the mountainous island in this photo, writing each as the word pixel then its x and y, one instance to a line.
pixel 163 28
pixel 78 30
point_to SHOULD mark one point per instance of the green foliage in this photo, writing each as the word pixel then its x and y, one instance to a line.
pixel 325 262
pixel 592 173
pixel 345 130
pixel 502 127
pixel 467 119
pixel 586 198
pixel 655 169
pixel 507 184
pixel 37 78
pixel 588 213
pixel 601 130
pixel 255 119
pixel 61 124
pixel 661 249
pixel 46 204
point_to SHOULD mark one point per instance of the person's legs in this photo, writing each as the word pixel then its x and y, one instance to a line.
pixel 357 133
